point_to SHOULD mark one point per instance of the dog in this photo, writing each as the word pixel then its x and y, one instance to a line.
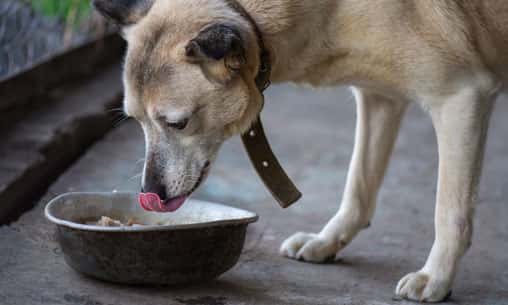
pixel 190 75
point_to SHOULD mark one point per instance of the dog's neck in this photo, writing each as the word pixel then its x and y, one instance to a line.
pixel 327 43
pixel 265 61
pixel 288 30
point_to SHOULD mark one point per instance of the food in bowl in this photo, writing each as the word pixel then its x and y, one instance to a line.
pixel 106 221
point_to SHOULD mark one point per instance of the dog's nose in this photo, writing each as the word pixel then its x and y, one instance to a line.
pixel 155 188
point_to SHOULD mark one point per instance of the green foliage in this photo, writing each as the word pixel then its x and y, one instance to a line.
pixel 70 11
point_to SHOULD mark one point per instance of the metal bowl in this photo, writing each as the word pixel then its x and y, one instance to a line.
pixel 197 243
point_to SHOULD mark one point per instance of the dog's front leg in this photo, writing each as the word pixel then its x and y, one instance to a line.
pixel 461 124
pixel 378 121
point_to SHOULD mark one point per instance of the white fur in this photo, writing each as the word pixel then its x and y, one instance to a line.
pixel 461 122
pixel 449 55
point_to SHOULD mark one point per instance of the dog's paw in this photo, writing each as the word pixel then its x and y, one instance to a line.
pixel 309 247
pixel 423 287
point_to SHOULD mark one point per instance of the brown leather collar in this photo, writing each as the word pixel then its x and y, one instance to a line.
pixel 260 153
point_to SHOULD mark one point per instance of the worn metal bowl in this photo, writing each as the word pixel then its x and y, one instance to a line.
pixel 197 243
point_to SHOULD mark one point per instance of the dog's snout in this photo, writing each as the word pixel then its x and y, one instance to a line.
pixel 150 185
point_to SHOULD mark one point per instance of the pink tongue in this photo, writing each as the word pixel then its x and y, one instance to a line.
pixel 152 202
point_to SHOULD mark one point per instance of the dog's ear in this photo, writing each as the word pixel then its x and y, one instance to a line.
pixel 218 42
pixel 123 12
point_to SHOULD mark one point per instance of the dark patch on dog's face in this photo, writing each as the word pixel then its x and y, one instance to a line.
pixel 216 42
pixel 123 12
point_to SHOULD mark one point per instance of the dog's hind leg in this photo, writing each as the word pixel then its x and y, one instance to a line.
pixel 461 123
pixel 378 121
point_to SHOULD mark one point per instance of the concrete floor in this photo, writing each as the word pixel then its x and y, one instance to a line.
pixel 312 132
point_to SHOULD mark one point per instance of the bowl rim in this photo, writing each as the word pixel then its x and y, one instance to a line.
pixel 253 217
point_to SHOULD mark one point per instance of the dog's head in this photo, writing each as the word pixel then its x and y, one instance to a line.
pixel 189 80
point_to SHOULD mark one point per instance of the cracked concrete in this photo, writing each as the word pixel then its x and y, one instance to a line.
pixel 312 133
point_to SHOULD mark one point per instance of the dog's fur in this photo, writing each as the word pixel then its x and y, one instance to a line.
pixel 197 59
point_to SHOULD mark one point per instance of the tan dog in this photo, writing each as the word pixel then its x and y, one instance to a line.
pixel 189 81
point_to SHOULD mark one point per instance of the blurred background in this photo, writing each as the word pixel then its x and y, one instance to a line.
pixel 33 30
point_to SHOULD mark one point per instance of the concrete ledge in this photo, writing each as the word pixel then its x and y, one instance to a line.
pixel 39 148
pixel 29 88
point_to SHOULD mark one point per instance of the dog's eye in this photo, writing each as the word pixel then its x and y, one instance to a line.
pixel 180 125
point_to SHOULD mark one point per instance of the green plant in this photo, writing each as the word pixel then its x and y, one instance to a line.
pixel 70 11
